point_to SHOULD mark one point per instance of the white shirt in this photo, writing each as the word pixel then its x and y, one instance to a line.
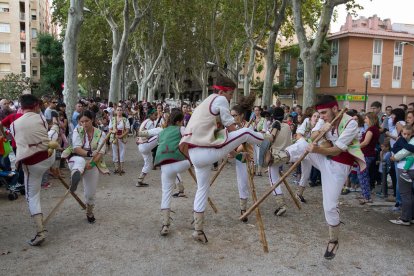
pixel 221 106
pixel 347 136
pixel 77 142
pixel 120 125
pixel 147 125
pixel 303 127
pixel 394 132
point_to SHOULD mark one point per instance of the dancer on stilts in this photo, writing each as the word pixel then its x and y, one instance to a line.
pixel 119 127
pixel 203 144
pixel 86 139
pixel 281 138
pixel 308 130
pixel 145 146
pixel 36 153
pixel 333 161
pixel 245 152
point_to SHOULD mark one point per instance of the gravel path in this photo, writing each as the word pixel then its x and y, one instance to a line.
pixel 125 239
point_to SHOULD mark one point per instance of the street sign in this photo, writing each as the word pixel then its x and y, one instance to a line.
pixel 351 98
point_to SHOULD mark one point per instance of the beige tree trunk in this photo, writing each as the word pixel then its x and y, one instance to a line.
pixel 70 52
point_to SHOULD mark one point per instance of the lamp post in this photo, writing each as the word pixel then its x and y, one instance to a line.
pixel 367 76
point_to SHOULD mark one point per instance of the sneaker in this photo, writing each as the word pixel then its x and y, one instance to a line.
pixel 280 211
pixel 396 209
pixel 406 177
pixel 301 198
pixel 352 190
pixel 345 191
pixel 400 222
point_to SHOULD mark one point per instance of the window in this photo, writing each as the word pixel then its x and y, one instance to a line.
pixel 5 67
pixel 376 71
pixel 34 71
pixel 34 53
pixel 34 15
pixel 377 46
pixel 4 28
pixel 4 47
pixel 334 71
pixel 241 77
pixel 396 74
pixel 398 48
pixel 287 57
pixel 4 7
pixel 334 47
pixel 24 70
pixel 34 33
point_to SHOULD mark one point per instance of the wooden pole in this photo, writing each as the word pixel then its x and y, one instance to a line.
pixel 212 205
pixel 54 210
pixel 72 193
pixel 258 213
pixel 292 195
pixel 289 171
pixel 218 172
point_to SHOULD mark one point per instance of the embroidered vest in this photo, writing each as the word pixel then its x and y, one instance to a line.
pixel 354 148
pixel 97 134
pixel 167 151
pixel 202 130
pixel 115 126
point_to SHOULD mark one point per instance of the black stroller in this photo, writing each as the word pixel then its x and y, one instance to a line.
pixel 9 179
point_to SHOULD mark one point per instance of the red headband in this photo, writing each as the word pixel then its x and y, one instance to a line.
pixel 223 88
pixel 327 105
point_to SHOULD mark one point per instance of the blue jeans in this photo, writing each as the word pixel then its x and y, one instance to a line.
pixel 397 190
pixel 364 180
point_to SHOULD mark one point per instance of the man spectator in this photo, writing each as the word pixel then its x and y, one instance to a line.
pixel 51 107
pixel 78 110
pixel 404 107
pixel 5 108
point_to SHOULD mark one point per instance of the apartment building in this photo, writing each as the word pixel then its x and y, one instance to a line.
pixel 383 49
pixel 20 23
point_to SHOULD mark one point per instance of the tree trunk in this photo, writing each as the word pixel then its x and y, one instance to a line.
pixel 70 48
pixel 249 72
pixel 309 77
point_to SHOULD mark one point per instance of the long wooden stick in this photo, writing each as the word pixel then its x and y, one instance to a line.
pixel 119 156
pixel 289 171
pixel 258 213
pixel 54 210
pixel 212 205
pixel 75 196
pixel 213 179
pixel 292 195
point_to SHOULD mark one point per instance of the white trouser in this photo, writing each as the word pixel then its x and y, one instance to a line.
pixel 169 174
pixel 333 174
pixel 90 178
pixel 32 181
pixel 306 168
pixel 242 179
pixel 145 150
pixel 121 151
pixel 274 178
pixel 202 158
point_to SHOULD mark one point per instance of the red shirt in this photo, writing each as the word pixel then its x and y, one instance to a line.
pixel 6 122
pixel 369 150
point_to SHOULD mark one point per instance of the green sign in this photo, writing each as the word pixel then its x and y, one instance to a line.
pixel 351 98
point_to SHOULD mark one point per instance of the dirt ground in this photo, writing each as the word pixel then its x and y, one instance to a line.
pixel 125 239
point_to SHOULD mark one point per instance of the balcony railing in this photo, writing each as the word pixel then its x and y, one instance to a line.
pixel 22 16
pixel 23 56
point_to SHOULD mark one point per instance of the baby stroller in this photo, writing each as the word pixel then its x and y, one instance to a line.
pixel 9 179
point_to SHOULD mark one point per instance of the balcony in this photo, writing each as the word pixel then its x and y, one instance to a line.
pixel 23 56
pixel 22 16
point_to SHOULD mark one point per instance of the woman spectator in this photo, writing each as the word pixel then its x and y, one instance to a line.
pixel 398 116
pixel 258 125
pixel 368 141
